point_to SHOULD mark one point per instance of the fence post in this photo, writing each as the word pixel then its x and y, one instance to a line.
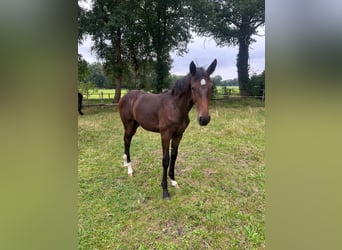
pixel 101 97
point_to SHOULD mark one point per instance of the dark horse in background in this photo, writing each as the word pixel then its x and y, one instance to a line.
pixel 80 98
pixel 167 114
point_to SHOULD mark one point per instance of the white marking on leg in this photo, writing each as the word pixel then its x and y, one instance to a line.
pixel 130 169
pixel 174 184
pixel 125 160
pixel 128 165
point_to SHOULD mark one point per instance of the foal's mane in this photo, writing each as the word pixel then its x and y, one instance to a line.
pixel 182 85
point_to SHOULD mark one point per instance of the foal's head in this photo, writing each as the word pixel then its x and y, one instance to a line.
pixel 201 88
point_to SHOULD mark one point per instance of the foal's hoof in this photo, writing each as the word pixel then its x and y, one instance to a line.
pixel 174 184
pixel 166 195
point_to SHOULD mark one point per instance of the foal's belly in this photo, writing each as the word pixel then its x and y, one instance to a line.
pixel 150 127
pixel 163 125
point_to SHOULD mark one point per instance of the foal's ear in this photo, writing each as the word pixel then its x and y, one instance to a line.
pixel 212 67
pixel 192 68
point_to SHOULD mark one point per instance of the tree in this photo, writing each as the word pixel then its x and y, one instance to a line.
pixel 217 80
pixel 83 70
pixel 81 23
pixel 131 34
pixel 97 75
pixel 231 82
pixel 167 24
pixel 87 88
pixel 84 85
pixel 106 23
pixel 231 22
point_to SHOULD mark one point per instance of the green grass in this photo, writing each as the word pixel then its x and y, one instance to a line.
pixel 220 169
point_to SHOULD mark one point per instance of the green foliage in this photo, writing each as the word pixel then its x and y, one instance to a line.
pixel 233 82
pixel 87 88
pixel 257 84
pixel 217 80
pixel 220 169
pixel 145 80
pixel 130 34
pixel 134 35
pixel 231 23
pixel 168 29
pixel 227 19
pixel 81 23
pixel 97 75
pixel 162 68
pixel 83 69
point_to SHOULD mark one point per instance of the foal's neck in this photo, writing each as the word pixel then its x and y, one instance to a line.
pixel 184 101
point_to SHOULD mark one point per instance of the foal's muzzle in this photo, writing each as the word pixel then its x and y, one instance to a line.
pixel 203 120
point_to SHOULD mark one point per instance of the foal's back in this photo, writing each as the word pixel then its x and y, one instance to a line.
pixel 143 108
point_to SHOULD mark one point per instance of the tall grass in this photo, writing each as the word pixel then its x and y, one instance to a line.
pixel 220 169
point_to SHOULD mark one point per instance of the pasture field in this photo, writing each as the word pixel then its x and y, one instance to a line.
pixel 108 94
pixel 220 170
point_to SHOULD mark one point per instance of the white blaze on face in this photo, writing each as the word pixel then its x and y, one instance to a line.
pixel 203 82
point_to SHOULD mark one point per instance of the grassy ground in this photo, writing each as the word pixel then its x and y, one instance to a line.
pixel 220 169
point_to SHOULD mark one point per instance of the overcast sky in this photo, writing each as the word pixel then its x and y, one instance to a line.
pixel 203 51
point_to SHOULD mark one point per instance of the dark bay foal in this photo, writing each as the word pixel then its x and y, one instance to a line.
pixel 167 114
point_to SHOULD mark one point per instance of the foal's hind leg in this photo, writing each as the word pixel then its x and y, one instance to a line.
pixel 174 152
pixel 130 130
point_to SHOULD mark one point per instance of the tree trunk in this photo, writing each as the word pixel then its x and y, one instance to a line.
pixel 118 65
pixel 160 74
pixel 137 70
pixel 117 95
pixel 242 61
pixel 138 83
pixel 162 71
pixel 162 67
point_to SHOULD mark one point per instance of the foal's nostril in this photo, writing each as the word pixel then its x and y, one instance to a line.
pixel 204 120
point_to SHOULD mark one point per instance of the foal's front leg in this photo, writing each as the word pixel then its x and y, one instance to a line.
pixel 174 152
pixel 165 163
